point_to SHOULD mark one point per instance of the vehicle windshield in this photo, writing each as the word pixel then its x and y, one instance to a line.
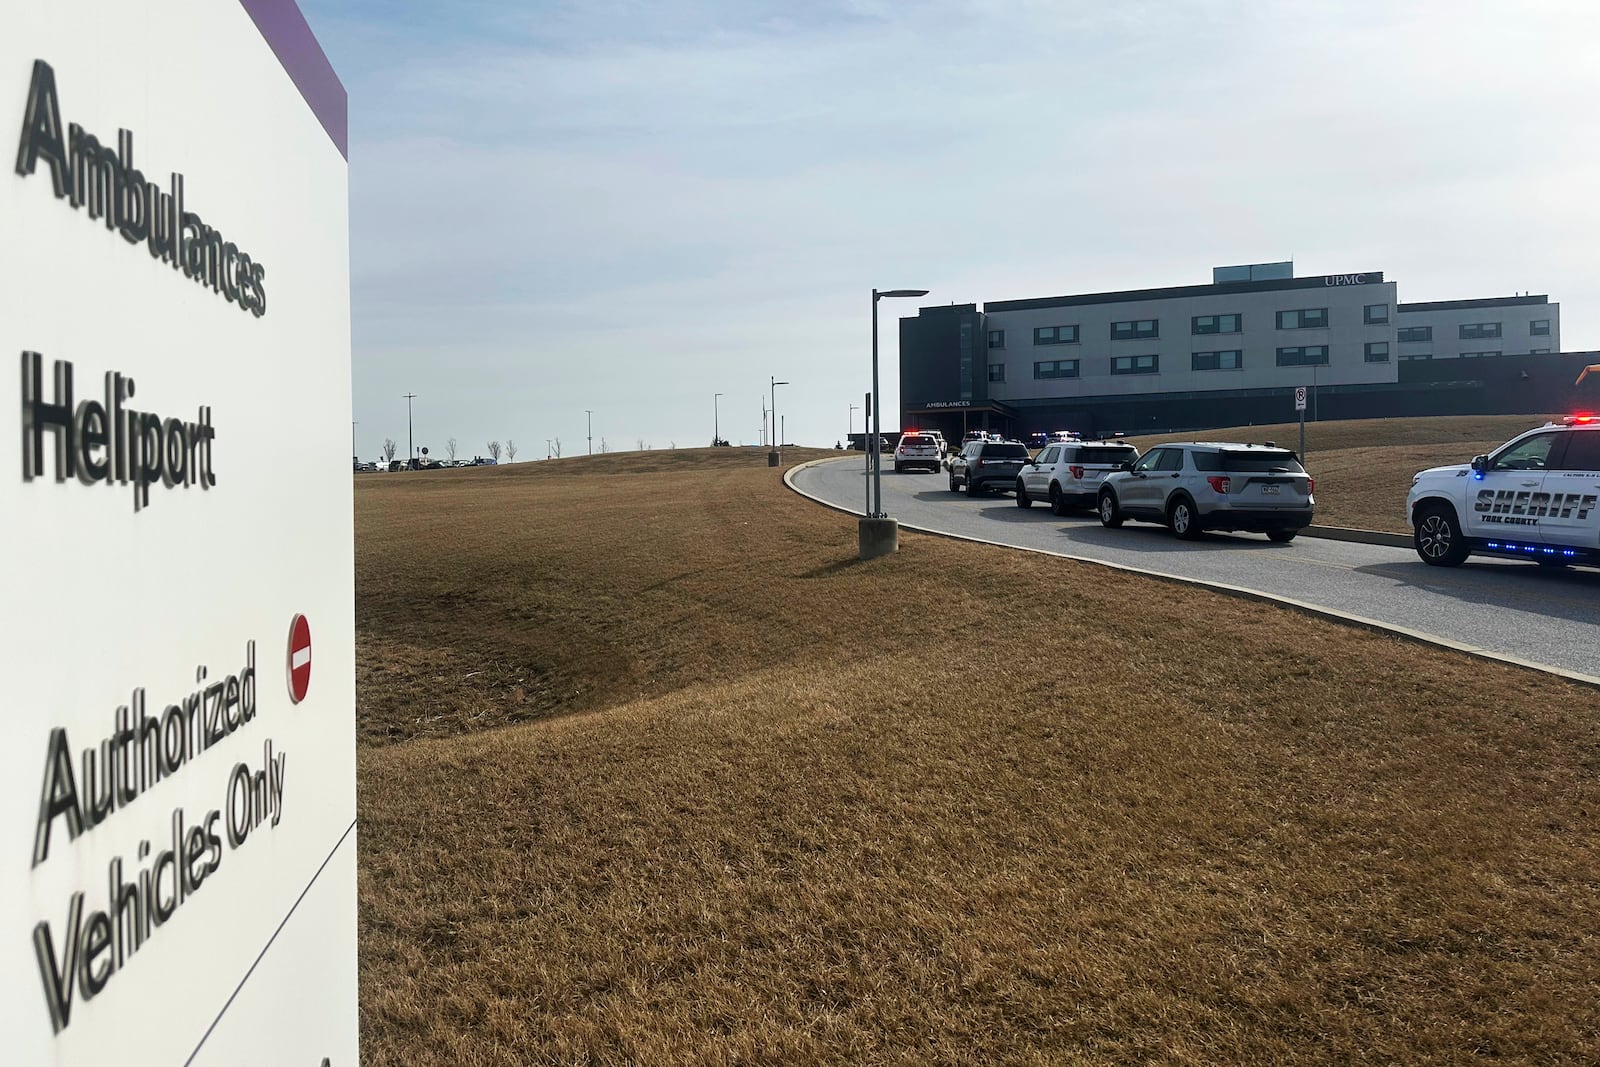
pixel 1113 454
pixel 1254 461
pixel 1011 451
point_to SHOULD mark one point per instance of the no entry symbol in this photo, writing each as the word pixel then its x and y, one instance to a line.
pixel 299 658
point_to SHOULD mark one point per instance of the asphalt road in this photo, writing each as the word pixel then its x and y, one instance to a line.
pixel 1516 611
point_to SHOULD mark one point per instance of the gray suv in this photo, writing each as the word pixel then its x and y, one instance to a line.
pixel 1194 487
pixel 1068 474
pixel 984 465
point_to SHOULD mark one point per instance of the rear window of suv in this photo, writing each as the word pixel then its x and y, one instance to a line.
pixel 1251 461
pixel 1112 455
pixel 1010 451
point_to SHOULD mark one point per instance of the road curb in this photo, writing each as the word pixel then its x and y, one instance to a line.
pixel 1331 614
pixel 1360 537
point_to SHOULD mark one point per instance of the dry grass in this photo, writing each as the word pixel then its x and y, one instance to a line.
pixel 953 806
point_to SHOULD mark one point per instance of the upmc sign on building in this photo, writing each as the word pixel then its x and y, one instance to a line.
pixel 177 778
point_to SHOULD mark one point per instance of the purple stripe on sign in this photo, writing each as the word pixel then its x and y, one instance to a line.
pixel 296 47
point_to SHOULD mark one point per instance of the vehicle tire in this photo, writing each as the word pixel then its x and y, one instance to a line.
pixel 955 486
pixel 973 488
pixel 1023 500
pixel 1281 537
pixel 898 469
pixel 1057 503
pixel 1110 514
pixel 1181 518
pixel 1436 535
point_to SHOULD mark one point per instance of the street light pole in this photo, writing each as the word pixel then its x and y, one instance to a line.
pixel 410 445
pixel 716 433
pixel 589 413
pixel 776 455
pixel 875 540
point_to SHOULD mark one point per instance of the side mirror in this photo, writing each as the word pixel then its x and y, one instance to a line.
pixel 1480 463
pixel 1126 465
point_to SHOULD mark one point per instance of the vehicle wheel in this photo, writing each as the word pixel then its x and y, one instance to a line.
pixel 1057 504
pixel 1181 517
pixel 1023 500
pixel 1282 537
pixel 1436 535
pixel 955 486
pixel 1110 514
pixel 898 469
pixel 973 488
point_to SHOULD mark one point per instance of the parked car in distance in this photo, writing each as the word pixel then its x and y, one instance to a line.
pixel 916 452
pixel 1068 475
pixel 938 438
pixel 1535 497
pixel 1063 435
pixel 1197 486
pixel 984 465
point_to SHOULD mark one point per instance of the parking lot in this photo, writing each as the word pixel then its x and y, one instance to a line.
pixel 1513 610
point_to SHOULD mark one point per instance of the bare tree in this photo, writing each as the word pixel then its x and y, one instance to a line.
pixel 511 451
pixel 494 451
pixel 389 449
pixel 555 448
pixel 450 450
pixel 604 448
pixel 643 445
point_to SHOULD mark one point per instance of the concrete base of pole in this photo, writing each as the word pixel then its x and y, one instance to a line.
pixel 772 459
pixel 878 537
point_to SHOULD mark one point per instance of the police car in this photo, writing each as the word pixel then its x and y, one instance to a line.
pixel 1535 497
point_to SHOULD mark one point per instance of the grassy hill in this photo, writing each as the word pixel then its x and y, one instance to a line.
pixel 653 770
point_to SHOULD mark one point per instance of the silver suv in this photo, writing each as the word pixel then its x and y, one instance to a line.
pixel 984 465
pixel 1069 475
pixel 1199 486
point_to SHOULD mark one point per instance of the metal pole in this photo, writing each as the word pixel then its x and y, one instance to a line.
pixel 716 432
pixel 775 442
pixel 589 413
pixel 410 444
pixel 866 456
pixel 877 418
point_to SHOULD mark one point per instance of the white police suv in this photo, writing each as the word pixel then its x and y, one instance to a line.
pixel 1535 497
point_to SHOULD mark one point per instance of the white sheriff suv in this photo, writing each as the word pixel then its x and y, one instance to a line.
pixel 1535 497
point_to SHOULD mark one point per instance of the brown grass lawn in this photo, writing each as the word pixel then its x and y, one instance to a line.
pixel 652 771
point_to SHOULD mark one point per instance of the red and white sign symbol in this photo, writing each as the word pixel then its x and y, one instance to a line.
pixel 1300 398
pixel 299 658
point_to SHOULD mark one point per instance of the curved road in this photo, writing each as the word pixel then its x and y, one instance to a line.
pixel 1509 610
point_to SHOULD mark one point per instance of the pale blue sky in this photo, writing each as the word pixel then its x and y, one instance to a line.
pixel 631 206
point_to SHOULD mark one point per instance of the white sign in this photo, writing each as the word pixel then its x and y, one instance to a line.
pixel 1300 398
pixel 177 786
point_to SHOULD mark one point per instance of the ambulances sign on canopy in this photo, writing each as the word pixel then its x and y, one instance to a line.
pixel 177 786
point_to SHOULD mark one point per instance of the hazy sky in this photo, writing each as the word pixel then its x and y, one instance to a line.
pixel 629 207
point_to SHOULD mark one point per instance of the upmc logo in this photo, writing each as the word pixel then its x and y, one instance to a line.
pixel 1344 279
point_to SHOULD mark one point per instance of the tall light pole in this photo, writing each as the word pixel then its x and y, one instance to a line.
pixel 589 413
pixel 776 454
pixel 716 433
pixel 878 536
pixel 410 445
pixel 877 401
pixel 850 424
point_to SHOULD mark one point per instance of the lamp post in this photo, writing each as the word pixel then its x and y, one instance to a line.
pixel 589 413
pixel 776 455
pixel 410 446
pixel 879 534
pixel 716 434
pixel 850 423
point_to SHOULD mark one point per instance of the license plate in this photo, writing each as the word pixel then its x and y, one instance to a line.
pixel 1269 490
